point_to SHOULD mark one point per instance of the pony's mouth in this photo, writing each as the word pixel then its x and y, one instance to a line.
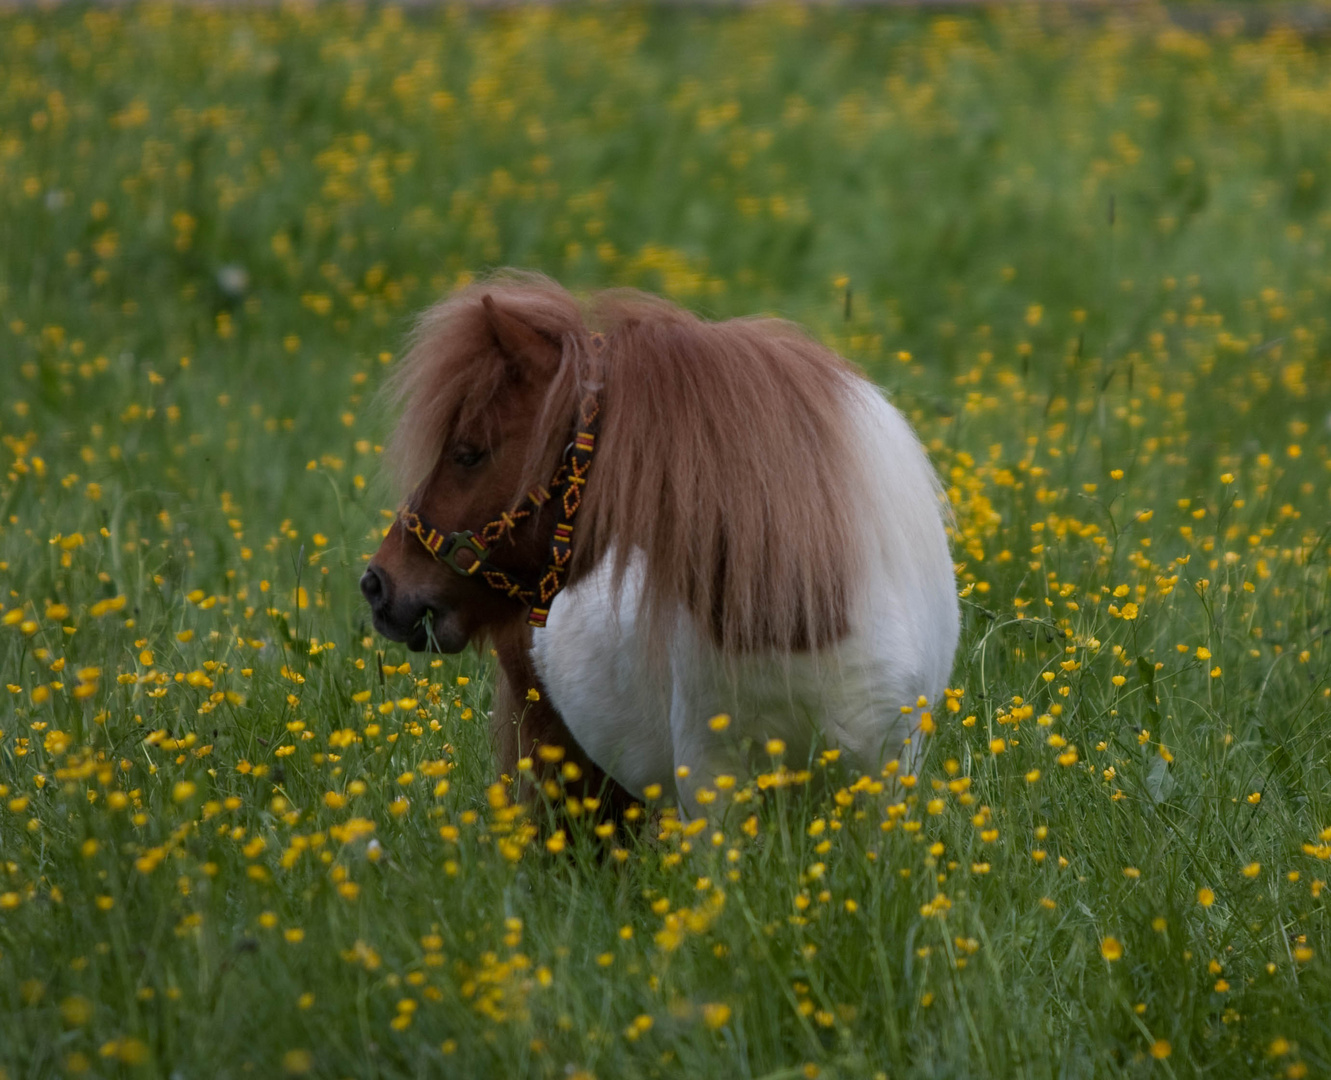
pixel 433 631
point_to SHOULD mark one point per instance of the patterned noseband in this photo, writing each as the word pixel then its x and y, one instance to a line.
pixel 467 553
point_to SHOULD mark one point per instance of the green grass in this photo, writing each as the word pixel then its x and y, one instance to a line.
pixel 1087 255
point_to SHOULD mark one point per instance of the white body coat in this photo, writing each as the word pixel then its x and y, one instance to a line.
pixel 641 717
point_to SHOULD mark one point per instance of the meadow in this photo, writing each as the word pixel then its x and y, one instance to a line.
pixel 1085 252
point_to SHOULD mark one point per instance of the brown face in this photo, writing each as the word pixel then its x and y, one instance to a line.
pixel 422 602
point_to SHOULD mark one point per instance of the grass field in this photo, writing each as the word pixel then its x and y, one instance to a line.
pixel 240 835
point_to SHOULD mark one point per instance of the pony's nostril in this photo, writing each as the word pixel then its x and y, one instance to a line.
pixel 372 586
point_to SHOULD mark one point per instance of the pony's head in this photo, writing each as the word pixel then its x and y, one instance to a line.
pixel 481 392
pixel 724 462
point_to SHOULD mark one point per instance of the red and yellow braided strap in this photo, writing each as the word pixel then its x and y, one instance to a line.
pixel 467 553
pixel 573 481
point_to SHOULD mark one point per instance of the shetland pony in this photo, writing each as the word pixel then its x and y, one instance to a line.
pixel 659 523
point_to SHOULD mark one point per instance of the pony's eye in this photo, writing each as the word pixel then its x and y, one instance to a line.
pixel 468 456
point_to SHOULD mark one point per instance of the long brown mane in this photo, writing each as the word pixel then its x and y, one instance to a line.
pixel 724 454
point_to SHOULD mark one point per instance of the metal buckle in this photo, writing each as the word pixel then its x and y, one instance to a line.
pixel 463 541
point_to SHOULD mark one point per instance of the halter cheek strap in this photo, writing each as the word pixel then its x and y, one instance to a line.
pixel 569 481
pixel 467 553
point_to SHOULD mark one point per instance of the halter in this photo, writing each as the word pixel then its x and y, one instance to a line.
pixel 467 553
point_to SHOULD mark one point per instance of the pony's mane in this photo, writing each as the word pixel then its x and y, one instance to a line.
pixel 724 454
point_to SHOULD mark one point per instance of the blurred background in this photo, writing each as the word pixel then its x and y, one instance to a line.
pixel 217 222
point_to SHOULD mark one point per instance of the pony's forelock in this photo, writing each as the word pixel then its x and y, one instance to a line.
pixel 453 375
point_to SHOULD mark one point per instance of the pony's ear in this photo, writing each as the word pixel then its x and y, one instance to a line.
pixel 522 344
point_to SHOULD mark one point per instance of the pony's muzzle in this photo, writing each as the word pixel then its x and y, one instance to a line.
pixel 419 623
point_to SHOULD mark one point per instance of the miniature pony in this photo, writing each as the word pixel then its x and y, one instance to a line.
pixel 682 539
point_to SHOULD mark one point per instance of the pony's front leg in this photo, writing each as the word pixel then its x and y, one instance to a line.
pixel 737 719
pixel 704 739
pixel 519 725
pixel 523 718
pixel 505 718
